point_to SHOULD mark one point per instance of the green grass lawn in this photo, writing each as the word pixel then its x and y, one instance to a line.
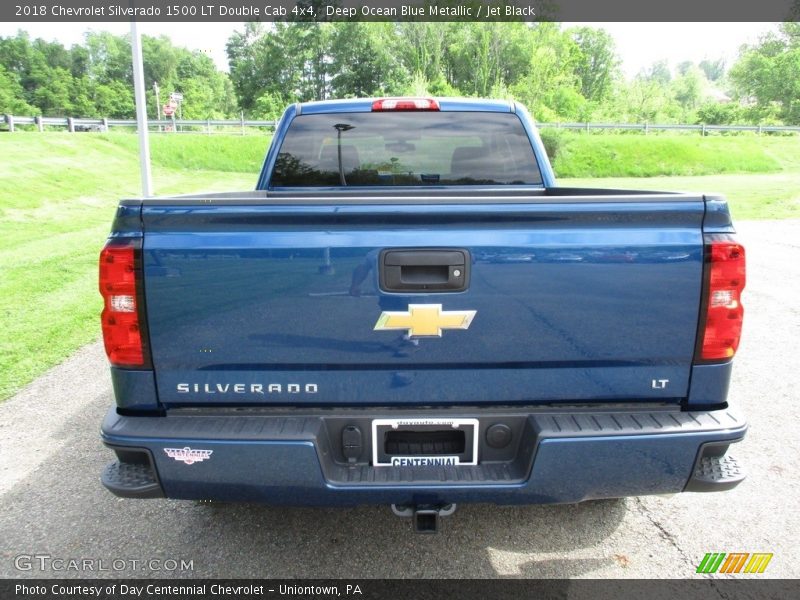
pixel 58 193
pixel 230 153
pixel 759 175
pixel 751 196
pixel 627 155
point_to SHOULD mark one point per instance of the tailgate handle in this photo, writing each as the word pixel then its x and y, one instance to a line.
pixel 424 270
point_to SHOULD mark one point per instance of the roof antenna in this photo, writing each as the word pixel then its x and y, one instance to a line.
pixel 340 127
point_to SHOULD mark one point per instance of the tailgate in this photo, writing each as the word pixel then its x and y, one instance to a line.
pixel 576 300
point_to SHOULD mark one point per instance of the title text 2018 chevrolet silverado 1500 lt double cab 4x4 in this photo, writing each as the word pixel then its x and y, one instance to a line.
pixel 408 311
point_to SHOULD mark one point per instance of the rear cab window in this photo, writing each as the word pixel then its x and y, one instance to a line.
pixel 405 149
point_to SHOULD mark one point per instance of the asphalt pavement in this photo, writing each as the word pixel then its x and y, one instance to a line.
pixel 56 520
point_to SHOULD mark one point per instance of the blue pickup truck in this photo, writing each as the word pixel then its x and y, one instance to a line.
pixel 408 310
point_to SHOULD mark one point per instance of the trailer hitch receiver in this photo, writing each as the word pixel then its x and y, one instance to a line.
pixel 425 517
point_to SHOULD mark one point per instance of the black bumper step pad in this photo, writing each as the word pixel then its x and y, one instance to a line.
pixel 132 480
pixel 716 473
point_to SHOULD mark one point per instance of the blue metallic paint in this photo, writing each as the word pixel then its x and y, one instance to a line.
pixel 575 301
pixel 548 177
pixel 718 216
pixel 135 389
pixel 709 384
pixel 128 220
pixel 272 153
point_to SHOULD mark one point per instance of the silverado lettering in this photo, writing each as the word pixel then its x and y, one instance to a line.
pixel 244 388
pixel 473 331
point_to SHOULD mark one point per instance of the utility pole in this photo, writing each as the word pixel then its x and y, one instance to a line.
pixel 158 102
pixel 141 111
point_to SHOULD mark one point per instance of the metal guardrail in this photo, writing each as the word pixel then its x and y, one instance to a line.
pixel 175 125
pixel 645 127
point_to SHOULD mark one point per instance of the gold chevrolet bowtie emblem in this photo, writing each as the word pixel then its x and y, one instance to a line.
pixel 425 320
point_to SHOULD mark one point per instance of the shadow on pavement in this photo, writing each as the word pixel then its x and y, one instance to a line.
pixel 61 510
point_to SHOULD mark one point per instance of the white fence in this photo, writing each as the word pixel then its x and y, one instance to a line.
pixel 242 125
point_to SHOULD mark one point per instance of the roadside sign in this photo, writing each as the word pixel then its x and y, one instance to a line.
pixel 176 97
pixel 168 109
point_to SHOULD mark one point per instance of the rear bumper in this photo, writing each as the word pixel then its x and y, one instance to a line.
pixel 296 458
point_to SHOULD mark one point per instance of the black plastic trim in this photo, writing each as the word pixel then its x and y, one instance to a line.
pixel 141 305
pixel 135 479
pixel 397 264
pixel 714 470
pixel 507 466
pixel 703 312
pixel 467 195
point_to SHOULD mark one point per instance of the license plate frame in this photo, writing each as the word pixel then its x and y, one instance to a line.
pixel 469 425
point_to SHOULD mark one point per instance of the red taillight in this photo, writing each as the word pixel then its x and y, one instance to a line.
pixel 726 278
pixel 120 317
pixel 385 104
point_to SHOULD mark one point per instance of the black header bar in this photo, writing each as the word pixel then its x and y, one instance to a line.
pixel 23 11
pixel 396 589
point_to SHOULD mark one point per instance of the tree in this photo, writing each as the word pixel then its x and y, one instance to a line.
pixel 82 98
pixel 658 72
pixel 715 113
pixel 11 97
pixel 160 59
pixel 482 55
pixel 109 57
pixel 114 99
pixel 245 62
pixel 364 60
pixel 52 95
pixel 648 97
pixel 684 67
pixel 597 64
pixel 645 100
pixel 95 79
pixel 269 107
pixel 310 44
pixel 550 87
pixel 425 48
pixel 266 61
pixel 689 89
pixel 714 70
pixel 207 93
pixel 26 62
pixel 767 74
